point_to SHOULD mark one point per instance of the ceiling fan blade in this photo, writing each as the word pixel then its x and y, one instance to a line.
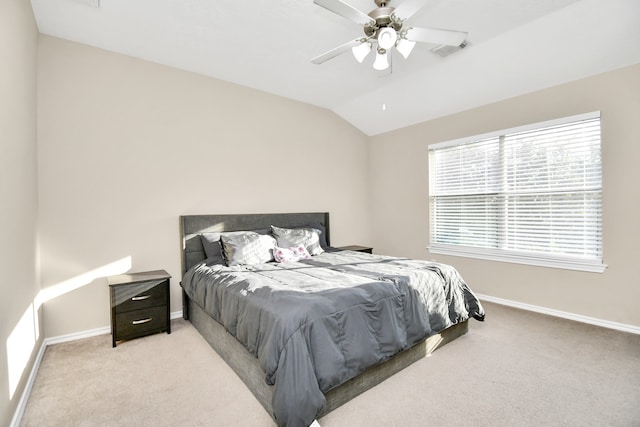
pixel 408 8
pixel 336 51
pixel 346 11
pixel 435 36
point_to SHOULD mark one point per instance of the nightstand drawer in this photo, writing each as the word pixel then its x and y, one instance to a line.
pixel 140 322
pixel 140 295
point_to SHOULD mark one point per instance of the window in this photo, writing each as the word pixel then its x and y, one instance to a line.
pixel 529 195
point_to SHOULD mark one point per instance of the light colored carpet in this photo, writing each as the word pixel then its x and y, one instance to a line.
pixel 515 369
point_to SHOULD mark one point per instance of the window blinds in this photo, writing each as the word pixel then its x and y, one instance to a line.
pixel 530 191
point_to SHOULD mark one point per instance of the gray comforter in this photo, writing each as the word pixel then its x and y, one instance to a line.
pixel 316 323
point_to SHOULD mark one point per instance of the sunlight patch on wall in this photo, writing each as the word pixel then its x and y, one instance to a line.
pixel 117 267
pixel 23 338
pixel 20 345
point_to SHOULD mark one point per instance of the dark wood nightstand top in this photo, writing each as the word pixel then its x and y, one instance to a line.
pixel 138 277
pixel 357 248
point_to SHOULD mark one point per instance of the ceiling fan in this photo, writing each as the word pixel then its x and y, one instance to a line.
pixel 384 29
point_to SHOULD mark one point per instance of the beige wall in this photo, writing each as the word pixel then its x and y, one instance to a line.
pixel 126 146
pixel 20 328
pixel 399 190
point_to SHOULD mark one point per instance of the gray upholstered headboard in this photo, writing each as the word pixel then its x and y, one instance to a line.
pixel 191 226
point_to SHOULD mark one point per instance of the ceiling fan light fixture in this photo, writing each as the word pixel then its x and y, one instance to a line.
pixel 382 62
pixel 387 37
pixel 361 51
pixel 384 30
pixel 405 47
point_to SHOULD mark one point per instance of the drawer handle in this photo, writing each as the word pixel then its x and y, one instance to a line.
pixel 140 322
pixel 140 298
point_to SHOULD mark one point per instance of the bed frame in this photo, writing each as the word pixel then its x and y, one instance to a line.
pixel 244 364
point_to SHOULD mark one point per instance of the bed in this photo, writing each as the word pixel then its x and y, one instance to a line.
pixel 311 332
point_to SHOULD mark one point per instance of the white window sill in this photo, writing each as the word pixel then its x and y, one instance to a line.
pixel 566 263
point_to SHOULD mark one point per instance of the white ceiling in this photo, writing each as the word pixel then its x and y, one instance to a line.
pixel 516 46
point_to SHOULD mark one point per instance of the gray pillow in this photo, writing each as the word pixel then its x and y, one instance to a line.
pixel 211 244
pixel 247 247
pixel 291 237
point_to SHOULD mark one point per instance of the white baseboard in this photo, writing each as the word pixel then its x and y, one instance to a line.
pixel 78 335
pixel 22 404
pixel 563 314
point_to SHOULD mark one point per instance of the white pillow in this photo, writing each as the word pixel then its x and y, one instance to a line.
pixel 247 247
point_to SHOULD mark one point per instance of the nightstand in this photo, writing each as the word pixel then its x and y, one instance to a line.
pixel 357 248
pixel 140 304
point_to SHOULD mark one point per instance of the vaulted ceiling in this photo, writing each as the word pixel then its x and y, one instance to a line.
pixel 515 47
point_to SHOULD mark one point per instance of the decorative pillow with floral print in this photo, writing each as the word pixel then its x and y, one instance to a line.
pixel 293 254
pixel 290 237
